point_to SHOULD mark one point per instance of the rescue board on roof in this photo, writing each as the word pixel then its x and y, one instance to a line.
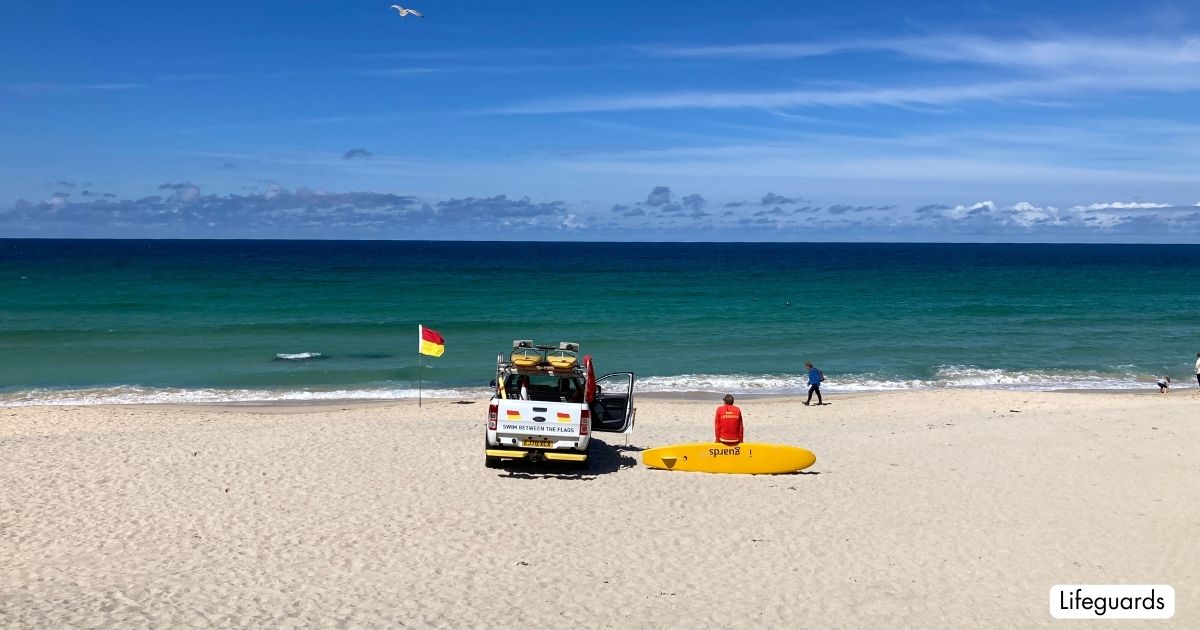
pixel 747 458
pixel 561 359
pixel 527 357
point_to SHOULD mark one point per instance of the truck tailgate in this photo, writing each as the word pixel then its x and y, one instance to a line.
pixel 530 418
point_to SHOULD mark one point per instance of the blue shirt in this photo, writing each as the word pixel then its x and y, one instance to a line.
pixel 814 377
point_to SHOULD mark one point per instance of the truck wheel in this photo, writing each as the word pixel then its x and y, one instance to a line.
pixel 488 460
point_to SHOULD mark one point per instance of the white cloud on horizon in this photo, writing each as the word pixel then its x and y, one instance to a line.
pixel 1079 219
pixel 1027 215
pixel 1125 205
pixel 1113 214
pixel 277 211
pixel 960 212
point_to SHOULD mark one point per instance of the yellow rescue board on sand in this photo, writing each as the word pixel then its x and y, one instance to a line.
pixel 747 458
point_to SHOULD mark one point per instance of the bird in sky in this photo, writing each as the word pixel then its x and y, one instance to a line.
pixel 406 12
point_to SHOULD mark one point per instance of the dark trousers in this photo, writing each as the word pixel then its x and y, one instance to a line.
pixel 817 390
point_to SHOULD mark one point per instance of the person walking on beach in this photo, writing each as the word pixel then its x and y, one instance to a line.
pixel 727 426
pixel 815 377
pixel 1198 369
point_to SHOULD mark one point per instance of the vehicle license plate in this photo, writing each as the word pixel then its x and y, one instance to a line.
pixel 537 443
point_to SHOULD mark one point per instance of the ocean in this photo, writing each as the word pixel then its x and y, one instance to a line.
pixel 139 321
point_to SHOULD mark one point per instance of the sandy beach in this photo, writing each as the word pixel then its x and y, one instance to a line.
pixel 939 509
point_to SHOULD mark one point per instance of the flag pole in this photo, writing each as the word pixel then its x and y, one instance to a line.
pixel 420 382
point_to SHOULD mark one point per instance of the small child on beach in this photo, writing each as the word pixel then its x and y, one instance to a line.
pixel 1164 384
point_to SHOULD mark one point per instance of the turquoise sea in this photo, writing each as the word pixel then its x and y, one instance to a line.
pixel 92 321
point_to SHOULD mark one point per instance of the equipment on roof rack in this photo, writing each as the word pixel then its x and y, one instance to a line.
pixel 526 355
pixel 562 359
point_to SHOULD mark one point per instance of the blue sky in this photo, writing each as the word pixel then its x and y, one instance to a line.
pixel 782 121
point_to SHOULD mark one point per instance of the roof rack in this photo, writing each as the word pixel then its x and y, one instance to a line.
pixel 569 346
pixel 527 357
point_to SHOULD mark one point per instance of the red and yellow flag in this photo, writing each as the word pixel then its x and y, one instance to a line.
pixel 430 341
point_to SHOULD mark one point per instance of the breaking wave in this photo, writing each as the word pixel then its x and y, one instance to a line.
pixel 943 377
pixel 129 395
pixel 299 356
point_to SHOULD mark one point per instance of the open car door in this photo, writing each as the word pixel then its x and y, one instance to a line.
pixel 613 410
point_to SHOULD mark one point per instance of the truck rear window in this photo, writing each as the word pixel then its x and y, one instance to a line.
pixel 545 388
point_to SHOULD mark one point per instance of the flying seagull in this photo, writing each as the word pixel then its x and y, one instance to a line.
pixel 405 12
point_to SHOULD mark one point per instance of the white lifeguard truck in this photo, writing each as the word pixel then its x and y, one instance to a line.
pixel 547 402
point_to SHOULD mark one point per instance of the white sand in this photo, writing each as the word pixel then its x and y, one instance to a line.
pixel 924 510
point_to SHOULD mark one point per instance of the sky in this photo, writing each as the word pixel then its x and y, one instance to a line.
pixel 974 121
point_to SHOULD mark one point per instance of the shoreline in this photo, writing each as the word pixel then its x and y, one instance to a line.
pixel 682 396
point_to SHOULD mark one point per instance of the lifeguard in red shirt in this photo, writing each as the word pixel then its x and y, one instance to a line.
pixel 727 426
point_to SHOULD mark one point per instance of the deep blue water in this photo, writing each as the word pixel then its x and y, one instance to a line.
pixel 92 320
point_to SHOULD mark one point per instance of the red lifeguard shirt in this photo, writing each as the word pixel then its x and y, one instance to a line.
pixel 727 426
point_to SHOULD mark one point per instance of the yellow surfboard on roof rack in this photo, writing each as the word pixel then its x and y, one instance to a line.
pixel 527 357
pixel 562 359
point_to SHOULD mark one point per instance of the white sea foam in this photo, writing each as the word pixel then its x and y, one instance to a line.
pixel 732 383
pixel 298 356
pixel 944 377
pixel 969 376
pixel 129 395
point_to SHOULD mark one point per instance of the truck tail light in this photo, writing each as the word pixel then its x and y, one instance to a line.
pixel 585 421
pixel 493 411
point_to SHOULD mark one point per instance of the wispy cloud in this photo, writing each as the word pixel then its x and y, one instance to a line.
pixel 1066 68
pixel 895 96
pixel 66 88
pixel 401 72
pixel 511 52
pixel 756 50
pixel 1103 53
pixel 817 161
pixel 1115 52
pixel 298 122
pixel 256 76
